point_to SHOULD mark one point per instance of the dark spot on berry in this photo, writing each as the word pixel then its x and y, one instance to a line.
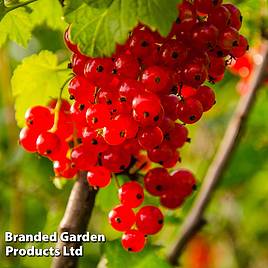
pixel 197 77
pixel 114 71
pixel 94 120
pixel 122 134
pixel 99 69
pixel 178 21
pixel 146 114
pixel 161 163
pixel 48 151
pixel 122 167
pixel 167 137
pixel 220 53
pixel 81 107
pixel 139 196
pixel 71 97
pixel 192 118
pixel 123 99
pixel 160 221
pixel 79 140
pixel 30 122
pixel 159 188
pixel 174 90
pixel 109 102
pixel 188 140
pixel 194 187
pixel 129 249
pixel 71 144
pixel 144 43
pixel 235 44
pixel 156 118
pixel 72 165
pixel 175 55
pixel 157 80
pixel 118 220
pixel 94 142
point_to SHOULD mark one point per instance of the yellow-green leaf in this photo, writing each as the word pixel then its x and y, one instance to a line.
pixel 37 80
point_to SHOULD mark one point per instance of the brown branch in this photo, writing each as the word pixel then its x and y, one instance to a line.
pixel 75 219
pixel 193 222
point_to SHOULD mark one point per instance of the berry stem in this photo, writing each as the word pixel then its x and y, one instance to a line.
pixel 194 221
pixel 58 106
pixel 116 181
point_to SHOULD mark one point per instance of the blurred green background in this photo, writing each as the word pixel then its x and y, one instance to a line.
pixel 236 235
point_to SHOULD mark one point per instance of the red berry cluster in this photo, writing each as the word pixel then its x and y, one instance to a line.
pixel 131 103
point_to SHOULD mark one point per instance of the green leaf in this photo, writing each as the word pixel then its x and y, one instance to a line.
pixel 71 6
pixel 51 14
pixel 99 3
pixel 118 257
pixel 16 25
pixel 37 80
pixel 97 30
pixel 158 14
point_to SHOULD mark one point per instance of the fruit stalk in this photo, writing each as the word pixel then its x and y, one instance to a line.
pixel 75 219
pixel 194 221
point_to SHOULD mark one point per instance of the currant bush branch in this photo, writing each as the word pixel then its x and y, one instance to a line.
pixel 194 221
pixel 76 218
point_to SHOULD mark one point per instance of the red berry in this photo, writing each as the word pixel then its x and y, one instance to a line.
pixel 69 43
pixel 190 111
pixel 229 38
pixel 47 143
pixel 127 66
pixel 195 74
pixel 150 137
pixel 131 194
pixel 82 159
pixel 115 159
pixel 156 79
pixel 98 176
pixel 182 182
pixel 39 118
pixel 241 49
pixel 28 139
pixel 156 181
pixel 236 17
pixel 220 17
pixel 78 62
pixel 64 168
pixel 206 96
pixel 98 115
pixel 171 201
pixel 149 220
pixel 114 133
pixel 173 53
pixel 99 71
pixel 133 241
pixel 121 218
pixel 206 6
pixel 80 89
